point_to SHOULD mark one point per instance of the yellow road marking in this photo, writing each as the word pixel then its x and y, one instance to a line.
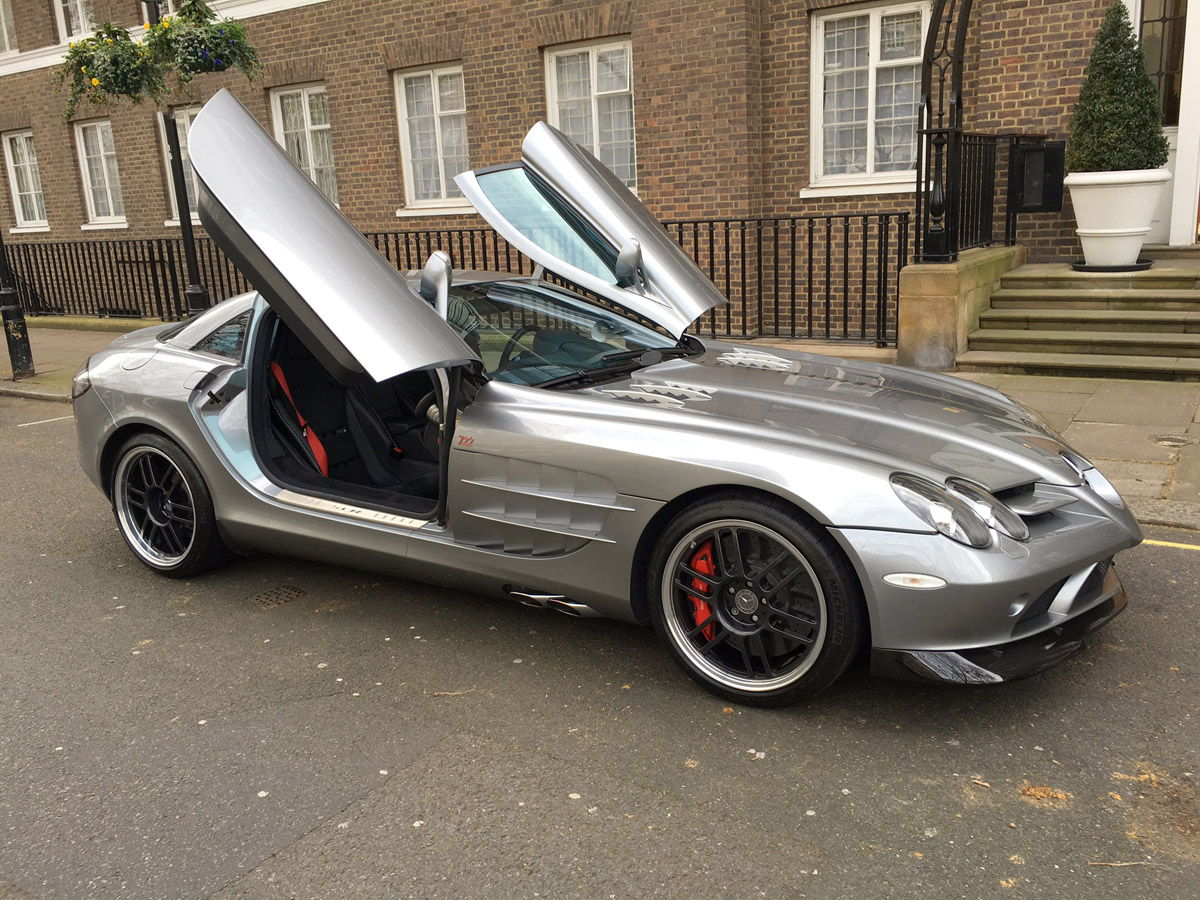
pixel 1172 544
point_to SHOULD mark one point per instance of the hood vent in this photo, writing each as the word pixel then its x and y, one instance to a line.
pixel 668 395
pixel 757 359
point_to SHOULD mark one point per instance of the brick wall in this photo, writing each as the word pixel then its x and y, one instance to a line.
pixel 721 92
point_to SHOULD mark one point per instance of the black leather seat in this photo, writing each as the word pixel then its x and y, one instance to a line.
pixel 358 444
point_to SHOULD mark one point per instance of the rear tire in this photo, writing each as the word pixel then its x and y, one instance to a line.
pixel 164 509
pixel 757 604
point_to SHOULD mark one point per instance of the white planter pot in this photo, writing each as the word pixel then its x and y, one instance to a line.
pixel 1113 211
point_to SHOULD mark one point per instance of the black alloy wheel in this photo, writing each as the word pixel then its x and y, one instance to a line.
pixel 757 604
pixel 164 509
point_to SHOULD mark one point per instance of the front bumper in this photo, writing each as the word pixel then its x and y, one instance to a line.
pixel 1006 661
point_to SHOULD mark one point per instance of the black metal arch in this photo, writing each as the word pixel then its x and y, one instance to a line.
pixel 940 131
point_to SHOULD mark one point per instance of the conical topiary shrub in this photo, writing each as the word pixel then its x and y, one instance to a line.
pixel 1117 121
pixel 1117 151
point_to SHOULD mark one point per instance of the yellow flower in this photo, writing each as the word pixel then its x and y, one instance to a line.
pixel 95 82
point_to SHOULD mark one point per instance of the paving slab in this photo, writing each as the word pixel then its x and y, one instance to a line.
pixel 1166 512
pixel 1141 403
pixel 1133 442
pixel 1185 483
pixel 991 379
pixel 1047 402
pixel 1138 479
pixel 1054 383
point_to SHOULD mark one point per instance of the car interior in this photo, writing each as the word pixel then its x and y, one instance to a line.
pixel 373 442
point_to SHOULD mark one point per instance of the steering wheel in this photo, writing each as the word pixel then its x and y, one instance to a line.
pixel 513 343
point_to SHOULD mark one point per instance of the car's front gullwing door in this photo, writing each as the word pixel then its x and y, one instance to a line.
pixel 564 209
pixel 352 309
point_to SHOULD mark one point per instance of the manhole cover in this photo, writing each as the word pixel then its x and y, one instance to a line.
pixel 1173 441
pixel 277 596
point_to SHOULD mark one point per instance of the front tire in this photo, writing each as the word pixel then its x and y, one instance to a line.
pixel 163 508
pixel 757 604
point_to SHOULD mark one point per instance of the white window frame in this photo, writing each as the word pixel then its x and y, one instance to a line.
pixel 96 221
pixel 6 23
pixel 277 120
pixel 593 48
pixel 165 8
pixel 23 225
pixel 88 21
pixel 855 182
pixel 190 112
pixel 444 205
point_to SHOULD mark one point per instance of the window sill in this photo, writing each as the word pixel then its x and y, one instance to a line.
pixel 446 209
pixel 103 226
pixel 29 229
pixel 860 188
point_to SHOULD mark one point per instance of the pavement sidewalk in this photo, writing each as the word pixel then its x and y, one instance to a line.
pixel 1144 435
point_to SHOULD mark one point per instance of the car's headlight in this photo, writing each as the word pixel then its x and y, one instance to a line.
pixel 941 510
pixel 1094 479
pixel 81 381
pixel 991 510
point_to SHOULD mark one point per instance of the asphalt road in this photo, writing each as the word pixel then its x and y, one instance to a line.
pixel 280 729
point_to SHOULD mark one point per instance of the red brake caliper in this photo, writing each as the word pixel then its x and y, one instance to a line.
pixel 702 562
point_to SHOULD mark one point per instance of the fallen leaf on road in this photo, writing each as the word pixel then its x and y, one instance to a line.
pixel 1044 796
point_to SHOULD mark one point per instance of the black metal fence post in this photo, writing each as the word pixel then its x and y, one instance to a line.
pixel 194 294
pixel 16 334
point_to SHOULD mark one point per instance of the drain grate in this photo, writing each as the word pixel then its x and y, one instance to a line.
pixel 277 596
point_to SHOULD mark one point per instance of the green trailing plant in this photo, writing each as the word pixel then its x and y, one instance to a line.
pixel 111 66
pixel 196 41
pixel 1117 121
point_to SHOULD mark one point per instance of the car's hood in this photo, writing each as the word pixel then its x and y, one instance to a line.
pixel 913 421
pixel 352 309
pixel 564 209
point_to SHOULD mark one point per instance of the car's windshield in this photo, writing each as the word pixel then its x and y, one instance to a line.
pixel 535 332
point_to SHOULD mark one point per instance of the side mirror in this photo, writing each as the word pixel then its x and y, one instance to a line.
pixel 436 279
pixel 629 265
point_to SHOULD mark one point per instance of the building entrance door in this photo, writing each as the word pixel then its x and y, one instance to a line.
pixel 1173 60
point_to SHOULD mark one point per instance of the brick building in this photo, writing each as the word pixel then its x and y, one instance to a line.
pixel 711 108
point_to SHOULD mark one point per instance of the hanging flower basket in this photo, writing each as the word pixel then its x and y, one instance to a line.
pixel 110 65
pixel 196 41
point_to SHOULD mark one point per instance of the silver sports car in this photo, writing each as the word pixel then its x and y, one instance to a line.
pixel 771 513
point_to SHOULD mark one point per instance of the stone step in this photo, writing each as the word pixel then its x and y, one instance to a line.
pixel 1119 320
pixel 1060 276
pixel 1166 252
pixel 1158 368
pixel 1100 298
pixel 1104 343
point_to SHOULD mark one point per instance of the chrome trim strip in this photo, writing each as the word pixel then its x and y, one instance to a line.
pixel 346 510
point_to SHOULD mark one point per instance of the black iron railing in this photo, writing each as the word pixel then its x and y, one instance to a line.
pixel 830 277
pixel 833 277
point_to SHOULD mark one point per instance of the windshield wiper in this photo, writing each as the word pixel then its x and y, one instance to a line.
pixel 618 364
pixel 665 352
